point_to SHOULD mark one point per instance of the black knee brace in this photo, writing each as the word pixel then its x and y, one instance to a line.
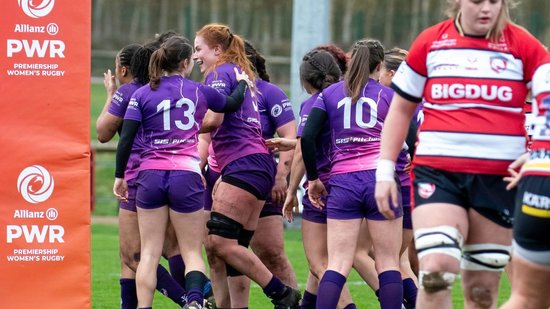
pixel 223 226
pixel 245 236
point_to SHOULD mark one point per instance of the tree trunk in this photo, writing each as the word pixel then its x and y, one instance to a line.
pixel 97 33
pixel 415 23
pixel 134 22
pixel 346 21
pixel 388 29
pixel 214 11
pixel 163 16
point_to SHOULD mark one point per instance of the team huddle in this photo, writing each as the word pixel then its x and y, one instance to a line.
pixel 438 129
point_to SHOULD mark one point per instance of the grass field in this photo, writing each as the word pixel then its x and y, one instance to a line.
pixel 105 260
pixel 105 274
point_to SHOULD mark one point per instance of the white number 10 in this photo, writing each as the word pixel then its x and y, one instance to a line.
pixel 346 102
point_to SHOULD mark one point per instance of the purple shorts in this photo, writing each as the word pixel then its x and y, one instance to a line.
pixel 311 213
pixel 352 197
pixel 271 209
pixel 130 205
pixel 253 173
pixel 211 178
pixel 182 191
pixel 406 198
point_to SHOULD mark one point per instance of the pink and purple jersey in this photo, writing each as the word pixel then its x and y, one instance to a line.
pixel 240 134
pixel 170 118
pixel 118 107
pixel 323 141
pixel 355 127
pixel 274 107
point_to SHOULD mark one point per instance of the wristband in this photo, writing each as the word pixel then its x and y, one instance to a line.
pixel 385 171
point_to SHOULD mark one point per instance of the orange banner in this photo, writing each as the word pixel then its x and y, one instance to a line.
pixel 45 162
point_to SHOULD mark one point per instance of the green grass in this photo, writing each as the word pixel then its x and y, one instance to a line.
pixel 105 274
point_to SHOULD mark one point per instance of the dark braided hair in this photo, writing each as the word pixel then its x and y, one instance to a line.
pixel 126 54
pixel 319 69
pixel 140 63
pixel 257 60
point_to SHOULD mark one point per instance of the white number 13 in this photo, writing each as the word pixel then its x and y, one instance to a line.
pixel 189 114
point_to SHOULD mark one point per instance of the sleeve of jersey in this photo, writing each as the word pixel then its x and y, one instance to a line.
pixel 220 81
pixel 119 102
pixel 133 112
pixel 320 102
pixel 533 55
pixel 410 78
pixel 280 108
pixel 304 111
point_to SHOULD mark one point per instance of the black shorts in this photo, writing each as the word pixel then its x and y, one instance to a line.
pixel 485 194
pixel 532 215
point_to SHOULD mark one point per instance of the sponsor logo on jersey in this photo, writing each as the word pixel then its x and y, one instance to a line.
pixel 498 63
pixel 425 190
pixel 471 91
pixel 444 41
pixel 35 184
pixel 446 67
pixel 36 10
pixel 276 110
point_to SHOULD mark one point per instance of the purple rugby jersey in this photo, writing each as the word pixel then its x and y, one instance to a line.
pixel 355 128
pixel 118 107
pixel 240 134
pixel 323 141
pixel 170 118
pixel 274 107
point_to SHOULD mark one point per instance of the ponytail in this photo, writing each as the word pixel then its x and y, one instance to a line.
pixel 358 72
pixel 155 67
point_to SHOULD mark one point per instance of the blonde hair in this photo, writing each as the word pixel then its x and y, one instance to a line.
pixel 453 11
pixel 232 45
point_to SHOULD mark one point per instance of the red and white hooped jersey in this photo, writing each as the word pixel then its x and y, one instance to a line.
pixel 474 91
pixel 539 163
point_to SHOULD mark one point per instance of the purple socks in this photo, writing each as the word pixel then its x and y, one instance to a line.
pixel 330 288
pixel 128 294
pixel 391 289
pixel 169 287
pixel 409 293
pixel 177 269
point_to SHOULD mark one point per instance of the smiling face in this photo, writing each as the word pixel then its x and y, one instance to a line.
pixel 204 55
pixel 479 16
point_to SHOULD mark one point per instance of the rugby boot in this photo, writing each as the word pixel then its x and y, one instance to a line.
pixel 290 301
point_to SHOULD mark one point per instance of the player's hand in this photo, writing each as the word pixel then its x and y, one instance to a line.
pixel 110 82
pixel 316 190
pixel 515 171
pixel 120 189
pixel 278 193
pixel 281 144
pixel 290 205
pixel 387 198
pixel 243 76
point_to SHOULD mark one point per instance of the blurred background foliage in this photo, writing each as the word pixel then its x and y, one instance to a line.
pixel 268 24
